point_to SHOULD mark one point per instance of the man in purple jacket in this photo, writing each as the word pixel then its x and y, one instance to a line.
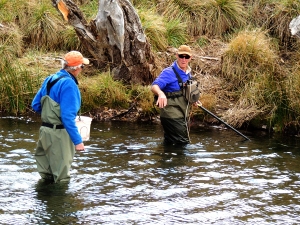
pixel 174 107
pixel 58 101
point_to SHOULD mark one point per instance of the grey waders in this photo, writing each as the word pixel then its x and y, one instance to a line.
pixel 55 150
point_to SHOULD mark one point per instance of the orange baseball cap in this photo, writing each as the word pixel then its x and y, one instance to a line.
pixel 75 58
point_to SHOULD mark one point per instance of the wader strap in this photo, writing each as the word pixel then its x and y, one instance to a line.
pixel 180 82
pixel 178 78
pixel 51 83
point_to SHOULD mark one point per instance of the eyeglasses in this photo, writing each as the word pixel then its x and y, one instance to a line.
pixel 184 56
pixel 82 66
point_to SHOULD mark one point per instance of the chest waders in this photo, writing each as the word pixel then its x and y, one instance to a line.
pixel 174 118
pixel 55 150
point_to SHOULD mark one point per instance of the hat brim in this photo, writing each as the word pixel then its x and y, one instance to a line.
pixel 85 61
pixel 184 53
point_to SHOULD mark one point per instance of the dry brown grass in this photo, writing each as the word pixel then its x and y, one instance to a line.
pixel 248 55
pixel 43 26
pixel 246 80
pixel 250 66
pixel 223 16
pixel 292 87
pixel 209 17
pixel 11 43
pixel 239 115
pixel 190 11
pixel 283 13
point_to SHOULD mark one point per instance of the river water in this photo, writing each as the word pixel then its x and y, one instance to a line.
pixel 126 176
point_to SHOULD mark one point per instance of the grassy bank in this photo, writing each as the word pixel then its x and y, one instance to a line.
pixel 245 57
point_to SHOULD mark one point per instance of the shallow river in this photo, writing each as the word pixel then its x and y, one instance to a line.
pixel 126 176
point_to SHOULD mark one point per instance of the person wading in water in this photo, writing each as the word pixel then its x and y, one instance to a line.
pixel 174 107
pixel 58 101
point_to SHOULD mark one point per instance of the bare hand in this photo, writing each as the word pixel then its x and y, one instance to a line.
pixel 79 147
pixel 198 103
pixel 162 100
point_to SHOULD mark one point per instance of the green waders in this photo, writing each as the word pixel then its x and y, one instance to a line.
pixel 174 119
pixel 55 150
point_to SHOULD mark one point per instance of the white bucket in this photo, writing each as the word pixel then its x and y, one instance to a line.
pixel 83 124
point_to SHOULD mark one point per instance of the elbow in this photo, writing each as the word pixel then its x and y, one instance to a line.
pixel 155 88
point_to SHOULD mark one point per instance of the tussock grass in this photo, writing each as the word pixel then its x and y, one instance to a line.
pixel 102 90
pixel 90 9
pixel 248 55
pixel 144 3
pixel 69 39
pixel 162 31
pixel 251 65
pixel 223 16
pixel 259 11
pixel 11 44
pixel 144 99
pixel 260 97
pixel 11 11
pixel 176 34
pixel 43 26
pixel 190 11
pixel 292 87
pixel 284 11
pixel 16 88
pixel 209 17
pixel 154 28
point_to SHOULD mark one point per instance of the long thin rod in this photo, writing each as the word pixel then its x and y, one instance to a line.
pixel 210 113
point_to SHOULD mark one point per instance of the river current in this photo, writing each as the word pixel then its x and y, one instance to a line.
pixel 126 176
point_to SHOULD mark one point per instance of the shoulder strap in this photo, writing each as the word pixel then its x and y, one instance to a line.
pixel 51 83
pixel 178 77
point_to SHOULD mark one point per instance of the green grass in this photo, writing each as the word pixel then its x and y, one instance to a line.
pixel 43 26
pixel 16 88
pixel 102 90
pixel 259 64
pixel 154 28
pixel 144 99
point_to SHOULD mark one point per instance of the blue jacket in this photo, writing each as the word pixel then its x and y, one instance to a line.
pixel 66 93
pixel 167 80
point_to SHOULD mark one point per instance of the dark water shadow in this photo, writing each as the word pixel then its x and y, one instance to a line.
pixel 57 204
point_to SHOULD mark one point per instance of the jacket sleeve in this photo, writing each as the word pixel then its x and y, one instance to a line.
pixel 70 101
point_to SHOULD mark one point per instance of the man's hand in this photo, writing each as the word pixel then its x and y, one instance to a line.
pixel 79 147
pixel 162 100
pixel 198 103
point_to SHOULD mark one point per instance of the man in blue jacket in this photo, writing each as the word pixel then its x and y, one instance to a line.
pixel 174 108
pixel 58 101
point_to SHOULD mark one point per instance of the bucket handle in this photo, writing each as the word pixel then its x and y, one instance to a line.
pixel 79 114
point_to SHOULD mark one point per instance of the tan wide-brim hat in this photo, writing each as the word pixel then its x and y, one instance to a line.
pixel 184 50
pixel 75 58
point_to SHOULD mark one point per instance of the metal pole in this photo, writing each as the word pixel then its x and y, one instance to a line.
pixel 210 113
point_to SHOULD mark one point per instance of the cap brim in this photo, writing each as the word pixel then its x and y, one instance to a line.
pixel 85 61
pixel 184 53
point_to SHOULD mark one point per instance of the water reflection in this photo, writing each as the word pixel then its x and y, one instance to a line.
pixel 55 204
pixel 127 176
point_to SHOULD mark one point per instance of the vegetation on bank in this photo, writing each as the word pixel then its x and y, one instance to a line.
pixel 254 74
